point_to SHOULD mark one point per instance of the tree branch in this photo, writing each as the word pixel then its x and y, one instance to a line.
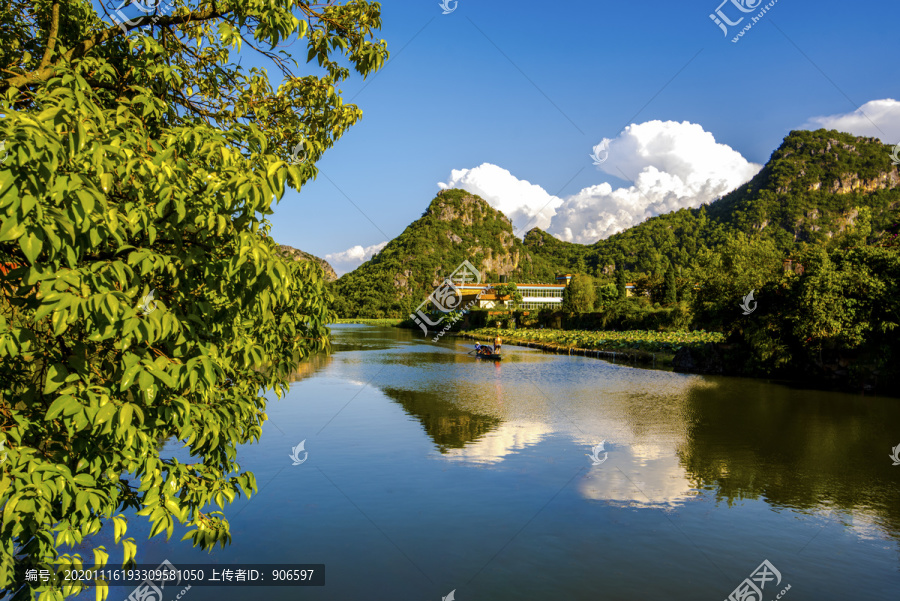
pixel 45 68
pixel 44 72
pixel 54 32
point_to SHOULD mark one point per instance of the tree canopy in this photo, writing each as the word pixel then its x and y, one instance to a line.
pixel 621 284
pixel 671 288
pixel 141 296
pixel 840 313
pixel 510 293
pixel 579 296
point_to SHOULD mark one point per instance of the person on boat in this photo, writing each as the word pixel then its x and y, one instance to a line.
pixel 497 345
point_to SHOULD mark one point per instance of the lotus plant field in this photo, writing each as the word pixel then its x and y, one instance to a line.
pixel 370 322
pixel 652 342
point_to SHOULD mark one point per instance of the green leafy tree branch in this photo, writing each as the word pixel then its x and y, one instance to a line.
pixel 141 164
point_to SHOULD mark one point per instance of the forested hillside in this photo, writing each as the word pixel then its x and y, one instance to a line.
pixel 456 226
pixel 813 187
pixel 817 188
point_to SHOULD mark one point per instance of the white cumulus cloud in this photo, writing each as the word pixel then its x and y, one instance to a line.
pixel 526 204
pixel 673 165
pixel 876 119
pixel 350 259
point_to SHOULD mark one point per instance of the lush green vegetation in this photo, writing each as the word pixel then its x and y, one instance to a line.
pixel 816 185
pixel 654 342
pixel 456 227
pixel 649 248
pixel 388 321
pixel 621 284
pixel 633 314
pixel 830 313
pixel 566 257
pixel 819 188
pixel 821 192
pixel 141 297
pixel 839 318
pixel 671 289
pixel 299 255
pixel 807 189
pixel 510 293
pixel 580 295
pixel 724 277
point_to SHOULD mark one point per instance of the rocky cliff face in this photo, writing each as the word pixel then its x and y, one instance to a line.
pixel 463 213
pixel 852 182
pixel 813 186
pixel 299 255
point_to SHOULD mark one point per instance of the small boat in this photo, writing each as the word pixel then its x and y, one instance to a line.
pixel 491 356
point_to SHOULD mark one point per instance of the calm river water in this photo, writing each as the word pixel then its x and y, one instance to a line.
pixel 429 472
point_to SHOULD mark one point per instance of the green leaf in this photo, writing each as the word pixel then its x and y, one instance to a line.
pixel 106 181
pixel 58 322
pixel 31 247
pixel 128 376
pixel 63 403
pixel 105 413
pixel 130 549
pixel 84 480
pixel 120 526
pixel 56 376
pixel 87 201
pixel 11 229
pixel 125 414
pixel 158 526
pixel 100 557
pixel 145 381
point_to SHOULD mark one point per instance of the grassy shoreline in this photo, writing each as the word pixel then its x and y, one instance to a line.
pixel 370 322
pixel 635 346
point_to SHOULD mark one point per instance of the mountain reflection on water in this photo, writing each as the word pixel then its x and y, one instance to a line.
pixel 429 471
pixel 669 437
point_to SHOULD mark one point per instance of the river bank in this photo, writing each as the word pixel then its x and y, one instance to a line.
pixel 685 352
pixel 627 355
pixel 390 321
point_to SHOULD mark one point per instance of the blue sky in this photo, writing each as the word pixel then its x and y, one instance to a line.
pixel 532 88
